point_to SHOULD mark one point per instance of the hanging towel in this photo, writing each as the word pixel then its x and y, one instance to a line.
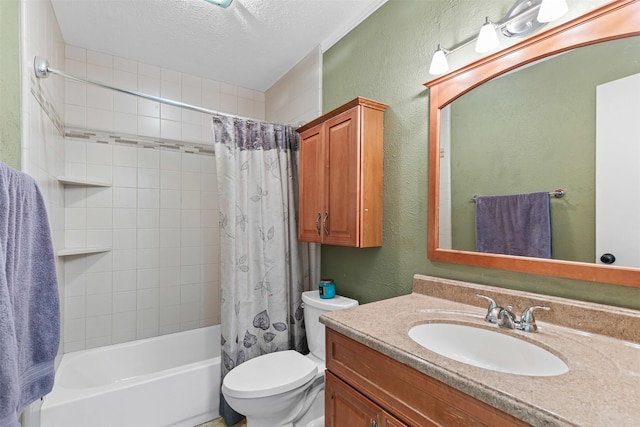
pixel 29 313
pixel 518 224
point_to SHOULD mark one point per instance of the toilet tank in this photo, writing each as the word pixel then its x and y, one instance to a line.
pixel 314 307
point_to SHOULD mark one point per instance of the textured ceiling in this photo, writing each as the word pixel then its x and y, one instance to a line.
pixel 250 44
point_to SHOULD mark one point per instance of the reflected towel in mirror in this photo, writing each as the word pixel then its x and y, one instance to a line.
pixel 518 224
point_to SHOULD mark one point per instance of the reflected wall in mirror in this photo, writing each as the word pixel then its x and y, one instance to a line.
pixel 496 131
pixel 536 126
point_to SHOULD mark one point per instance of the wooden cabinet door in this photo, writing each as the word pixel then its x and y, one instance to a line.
pixel 311 200
pixel 342 173
pixel 346 407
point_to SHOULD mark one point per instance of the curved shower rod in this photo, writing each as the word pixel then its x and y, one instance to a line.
pixel 43 69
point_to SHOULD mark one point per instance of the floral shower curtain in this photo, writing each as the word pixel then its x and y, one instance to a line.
pixel 264 269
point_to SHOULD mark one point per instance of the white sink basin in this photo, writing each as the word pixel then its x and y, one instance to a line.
pixel 488 349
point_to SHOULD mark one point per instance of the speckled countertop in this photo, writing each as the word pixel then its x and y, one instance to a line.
pixel 600 344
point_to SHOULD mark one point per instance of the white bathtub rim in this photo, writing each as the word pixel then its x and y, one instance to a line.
pixel 66 361
pixel 68 395
pixel 61 394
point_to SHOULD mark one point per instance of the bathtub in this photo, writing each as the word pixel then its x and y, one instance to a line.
pixel 170 380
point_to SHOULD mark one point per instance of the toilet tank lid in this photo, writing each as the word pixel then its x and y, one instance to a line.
pixel 330 304
pixel 269 374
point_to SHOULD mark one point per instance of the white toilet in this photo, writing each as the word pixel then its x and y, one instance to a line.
pixel 286 389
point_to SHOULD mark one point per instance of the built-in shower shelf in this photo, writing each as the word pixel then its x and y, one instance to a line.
pixel 81 182
pixel 83 250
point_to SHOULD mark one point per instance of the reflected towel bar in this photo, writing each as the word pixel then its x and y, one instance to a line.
pixel 558 194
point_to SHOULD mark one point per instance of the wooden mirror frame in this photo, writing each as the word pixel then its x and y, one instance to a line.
pixel 617 19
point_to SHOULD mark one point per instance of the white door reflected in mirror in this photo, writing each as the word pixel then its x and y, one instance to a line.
pixel 617 172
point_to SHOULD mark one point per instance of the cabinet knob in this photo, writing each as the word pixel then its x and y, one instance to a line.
pixel 324 223
pixel 374 423
pixel 318 223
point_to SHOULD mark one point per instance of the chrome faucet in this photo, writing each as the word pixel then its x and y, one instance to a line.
pixel 527 321
pixel 493 311
pixel 505 318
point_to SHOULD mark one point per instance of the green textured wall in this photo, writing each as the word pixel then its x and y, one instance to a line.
pixel 9 83
pixel 386 58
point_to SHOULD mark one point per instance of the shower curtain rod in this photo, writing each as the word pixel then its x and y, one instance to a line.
pixel 42 71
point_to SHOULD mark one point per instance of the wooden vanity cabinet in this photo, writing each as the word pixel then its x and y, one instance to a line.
pixel 340 177
pixel 365 386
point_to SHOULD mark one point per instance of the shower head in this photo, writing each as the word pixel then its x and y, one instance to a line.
pixel 221 3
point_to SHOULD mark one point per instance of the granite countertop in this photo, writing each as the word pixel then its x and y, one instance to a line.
pixel 602 387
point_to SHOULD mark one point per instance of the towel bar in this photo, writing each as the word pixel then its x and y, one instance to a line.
pixel 558 194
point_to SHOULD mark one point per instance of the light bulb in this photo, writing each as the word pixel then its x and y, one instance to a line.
pixel 439 64
pixel 488 38
pixel 550 10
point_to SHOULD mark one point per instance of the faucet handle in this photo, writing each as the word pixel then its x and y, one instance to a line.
pixel 527 321
pixel 492 311
pixel 506 318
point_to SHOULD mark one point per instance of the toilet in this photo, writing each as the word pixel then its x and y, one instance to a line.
pixel 286 389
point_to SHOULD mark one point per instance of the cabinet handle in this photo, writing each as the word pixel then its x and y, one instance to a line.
pixel 374 423
pixel 318 223
pixel 324 223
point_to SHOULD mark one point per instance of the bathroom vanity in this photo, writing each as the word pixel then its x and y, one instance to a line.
pixel 413 396
pixel 378 376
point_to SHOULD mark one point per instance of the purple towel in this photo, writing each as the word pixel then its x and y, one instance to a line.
pixel 518 224
pixel 29 313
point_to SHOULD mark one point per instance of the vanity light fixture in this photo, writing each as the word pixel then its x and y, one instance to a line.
pixel 439 64
pixel 523 18
pixel 221 3
pixel 550 10
pixel 487 38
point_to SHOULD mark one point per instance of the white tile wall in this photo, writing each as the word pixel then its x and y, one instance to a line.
pixel 43 155
pixel 90 107
pixel 160 217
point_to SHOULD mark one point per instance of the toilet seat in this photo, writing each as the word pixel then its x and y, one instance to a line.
pixel 269 375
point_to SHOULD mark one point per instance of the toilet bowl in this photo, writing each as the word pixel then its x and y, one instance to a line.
pixel 286 389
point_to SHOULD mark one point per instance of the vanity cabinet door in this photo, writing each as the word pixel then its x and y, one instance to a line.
pixel 346 407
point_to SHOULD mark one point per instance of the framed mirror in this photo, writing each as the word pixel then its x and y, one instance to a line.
pixel 467 110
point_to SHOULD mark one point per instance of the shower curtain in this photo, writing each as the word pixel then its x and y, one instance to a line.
pixel 264 269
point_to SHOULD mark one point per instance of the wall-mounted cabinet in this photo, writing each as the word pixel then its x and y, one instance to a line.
pixel 340 196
